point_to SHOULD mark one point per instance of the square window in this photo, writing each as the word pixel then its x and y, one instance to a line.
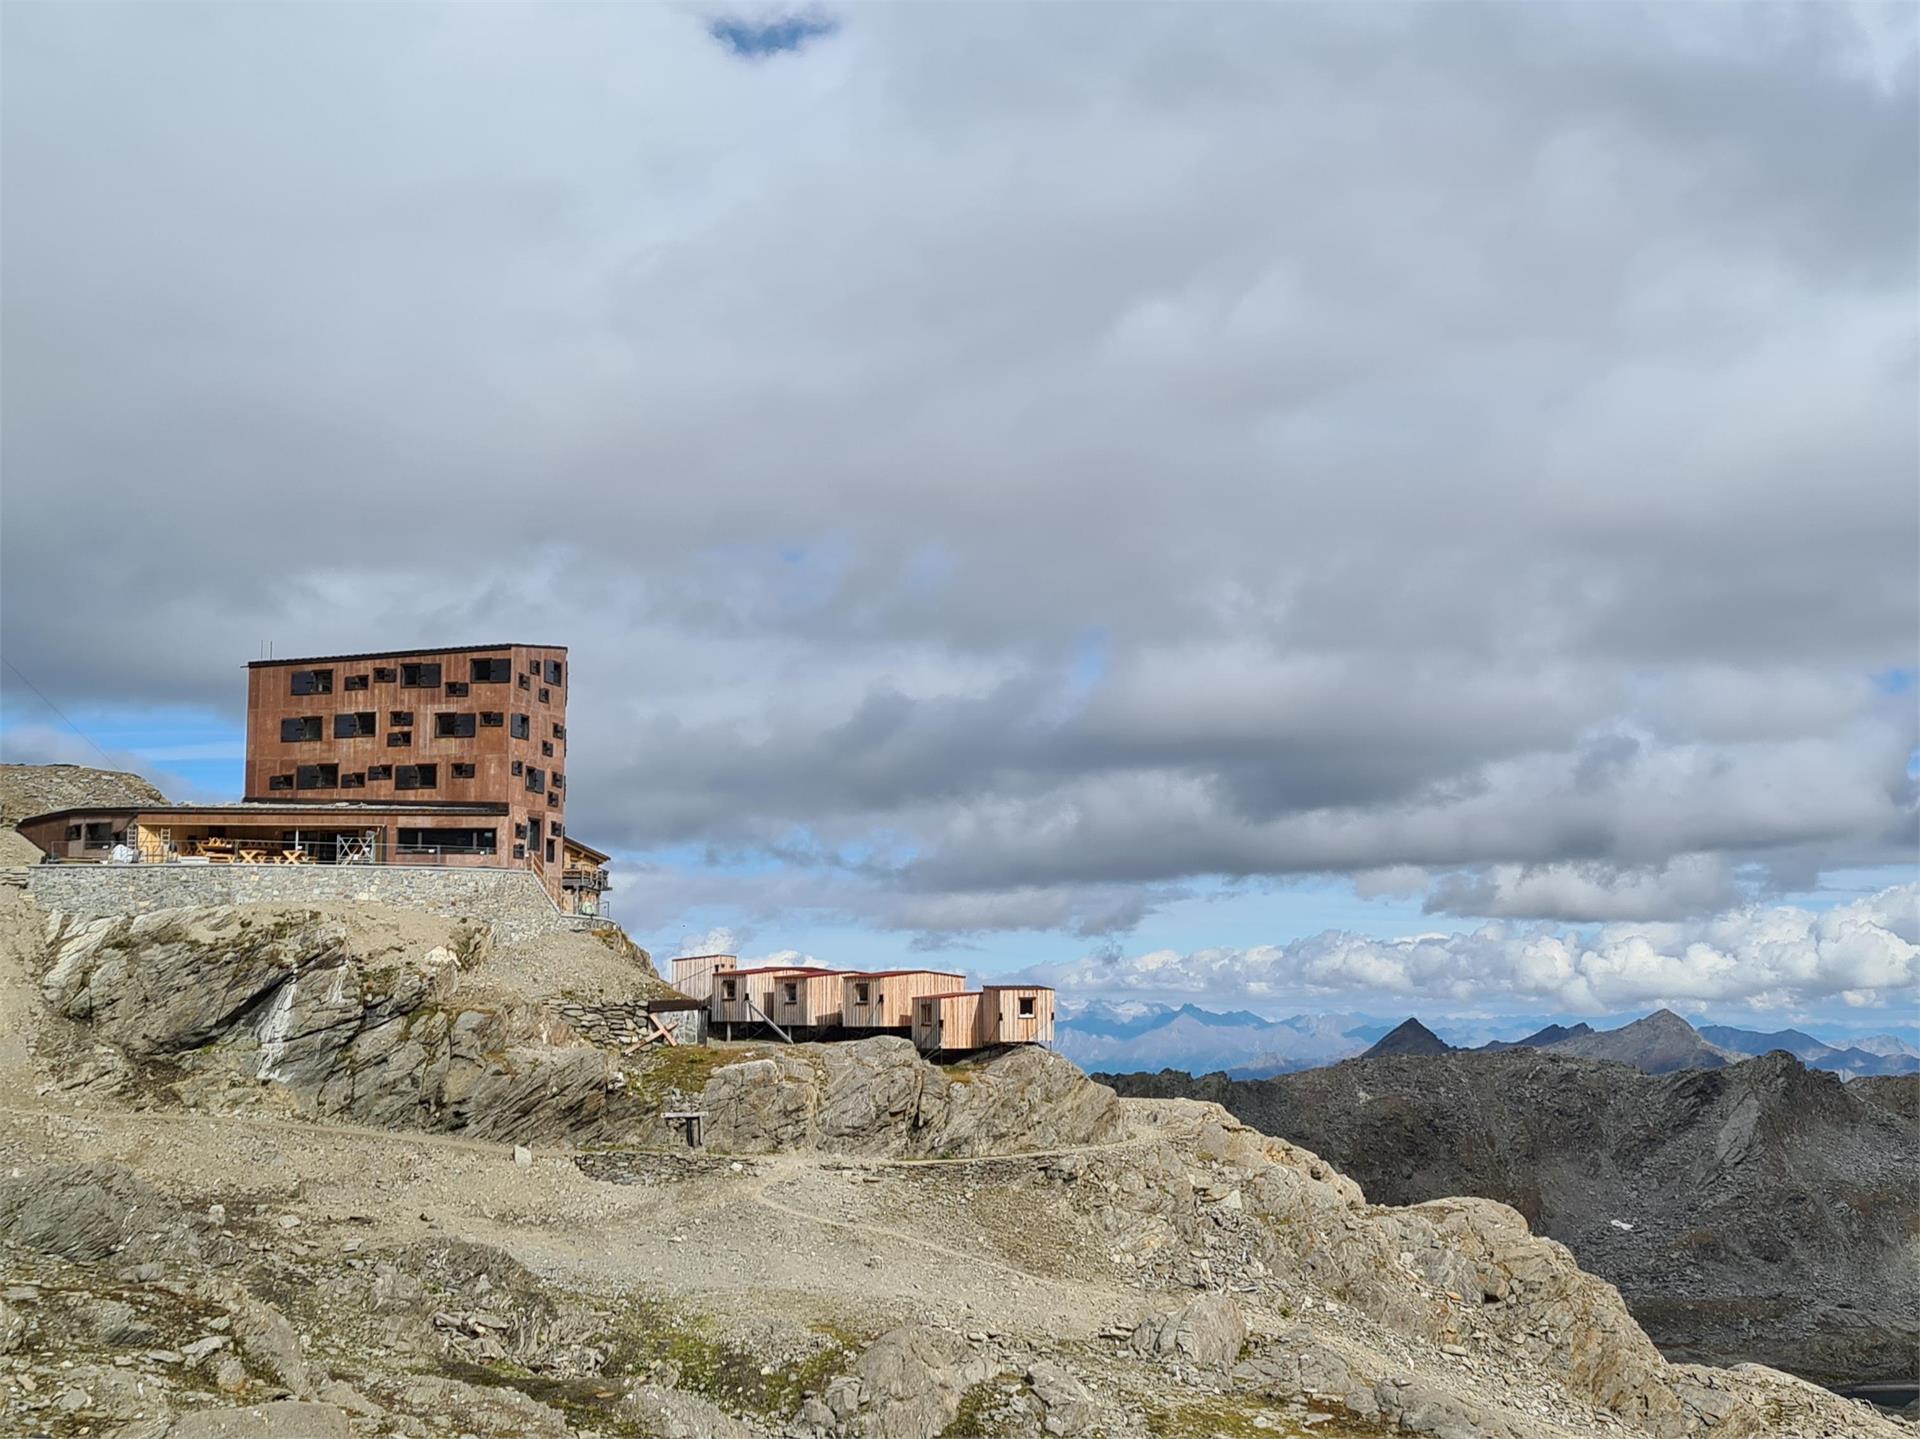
pixel 553 672
pixel 536 779
pixel 522 727
pixel 317 776
pixel 354 780
pixel 559 781
pixel 546 696
pixel 355 682
pixel 353 726
pixel 860 994
pixel 519 767
pixel 519 851
pixel 305 727
pixel 559 731
pixel 463 771
pixel 792 993
pixel 73 831
pixel 448 725
pixel 546 747
pixel 400 719
pixel 525 683
pixel 420 676
pixel 416 776
pixel 280 781
pixel 492 672
pixel 313 682
pixel 1026 1006
pixel 399 738
pixel 385 674
pixel 379 771
pixel 519 831
pixel 491 719
pixel 553 800
pixel 456 688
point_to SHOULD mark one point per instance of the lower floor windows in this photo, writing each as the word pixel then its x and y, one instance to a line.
pixel 449 841
pixel 317 776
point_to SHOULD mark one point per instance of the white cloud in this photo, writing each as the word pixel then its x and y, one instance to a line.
pixel 1863 953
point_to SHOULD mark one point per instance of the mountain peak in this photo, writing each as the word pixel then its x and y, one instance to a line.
pixel 1411 1037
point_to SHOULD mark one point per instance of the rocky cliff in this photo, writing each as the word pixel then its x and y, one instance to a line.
pixel 1759 1211
pixel 197 1247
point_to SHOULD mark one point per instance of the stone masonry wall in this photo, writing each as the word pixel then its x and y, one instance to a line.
pixel 511 900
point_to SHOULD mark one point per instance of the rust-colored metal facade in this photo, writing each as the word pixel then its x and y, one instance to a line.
pixel 480 724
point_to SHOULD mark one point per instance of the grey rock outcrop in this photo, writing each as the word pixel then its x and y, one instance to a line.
pixel 276 996
pixel 878 1096
pixel 1206 1333
pixel 907 1384
pixel 1763 1209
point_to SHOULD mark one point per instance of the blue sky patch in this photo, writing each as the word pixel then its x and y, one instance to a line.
pixel 756 39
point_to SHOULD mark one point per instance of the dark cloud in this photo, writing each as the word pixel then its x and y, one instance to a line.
pixel 1483 438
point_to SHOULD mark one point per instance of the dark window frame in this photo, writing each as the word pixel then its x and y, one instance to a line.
pixel 354 724
pixel 317 776
pixel 454 724
pixel 420 675
pixel 310 682
pixel 300 729
pixel 520 726
pixel 416 776
pixel 490 671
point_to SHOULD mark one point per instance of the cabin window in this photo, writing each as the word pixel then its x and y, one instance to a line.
pixel 356 779
pixel 519 831
pixel 559 731
pixel 416 776
pixel 352 726
pixel 448 725
pixel 492 672
pixel 463 771
pixel 379 771
pixel 546 748
pixel 354 682
pixel 519 768
pixel 420 677
pixel 792 993
pixel 553 799
pixel 522 727
pixel 519 851
pixel 456 688
pixel 525 683
pixel 491 719
pixel 313 682
pixel 559 781
pixel 99 834
pixel 1026 1006
pixel 280 781
pixel 385 674
pixel 553 672
pixel 73 831
pixel 546 696
pixel 317 776
pixel 549 851
pixel 859 994
pixel 400 719
pixel 728 989
pixel 536 780
pixel 302 727
pixel 399 738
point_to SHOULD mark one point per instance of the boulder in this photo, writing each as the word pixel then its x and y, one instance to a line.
pixel 1206 1333
pixel 90 1212
pixel 907 1384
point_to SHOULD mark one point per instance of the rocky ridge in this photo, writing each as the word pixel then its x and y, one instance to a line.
pixel 1756 1211
pixel 892 1250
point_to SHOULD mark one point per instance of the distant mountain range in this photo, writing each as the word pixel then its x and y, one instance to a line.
pixel 1118 1037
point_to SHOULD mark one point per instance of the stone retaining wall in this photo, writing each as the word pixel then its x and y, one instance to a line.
pixel 619 1024
pixel 511 900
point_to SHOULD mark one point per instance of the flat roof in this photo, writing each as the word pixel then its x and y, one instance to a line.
pixel 293 809
pixel 1047 987
pixel 395 654
pixel 893 973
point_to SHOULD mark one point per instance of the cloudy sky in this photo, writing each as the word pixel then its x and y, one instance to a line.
pixel 1189 498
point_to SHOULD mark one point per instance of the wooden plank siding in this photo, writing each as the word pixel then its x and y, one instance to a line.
pixel 803 1000
pixel 693 974
pixel 745 996
pixel 946 1022
pixel 883 999
pixel 1015 1014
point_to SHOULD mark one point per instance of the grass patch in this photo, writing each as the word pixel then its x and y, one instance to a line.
pixel 652 1338
pixel 983 1412
pixel 652 1078
pixel 1240 1416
